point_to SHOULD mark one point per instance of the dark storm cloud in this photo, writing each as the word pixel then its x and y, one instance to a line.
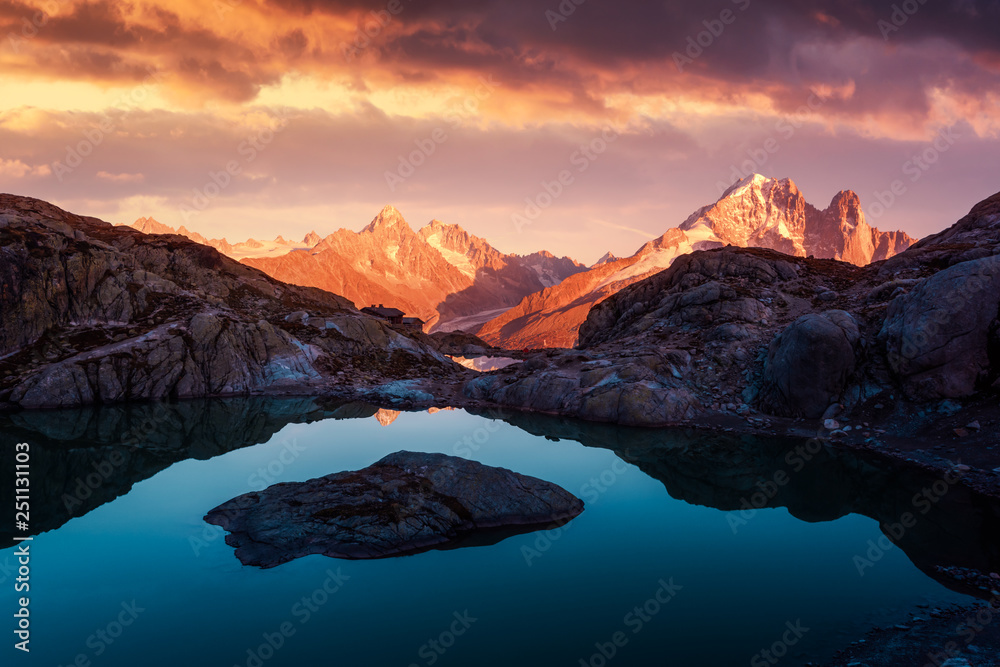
pixel 892 55
pixel 886 58
pixel 96 41
pixel 862 95
pixel 636 30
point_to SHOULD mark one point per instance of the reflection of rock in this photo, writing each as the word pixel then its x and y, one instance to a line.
pixel 386 417
pixel 83 458
pixel 714 469
pixel 355 410
pixel 404 503
pixel 961 527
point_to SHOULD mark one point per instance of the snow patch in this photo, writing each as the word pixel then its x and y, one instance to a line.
pixel 740 187
pixel 485 364
pixel 469 322
pixel 700 237
pixel 241 251
pixel 546 277
pixel 456 259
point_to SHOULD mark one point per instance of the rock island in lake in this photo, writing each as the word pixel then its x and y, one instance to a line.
pixel 405 503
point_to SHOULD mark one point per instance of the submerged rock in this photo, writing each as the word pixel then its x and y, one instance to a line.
pixel 405 503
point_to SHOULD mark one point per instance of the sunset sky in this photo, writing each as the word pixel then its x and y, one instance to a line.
pixel 128 109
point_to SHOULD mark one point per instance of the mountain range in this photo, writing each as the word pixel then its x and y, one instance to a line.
pixel 454 280
pixel 251 248
pixel 441 273
pixel 756 211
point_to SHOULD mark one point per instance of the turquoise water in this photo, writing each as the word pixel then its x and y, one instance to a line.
pixel 548 598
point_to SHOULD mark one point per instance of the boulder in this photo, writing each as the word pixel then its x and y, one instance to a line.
pixel 690 292
pixel 210 356
pixel 808 365
pixel 405 503
pixel 939 338
pixel 641 388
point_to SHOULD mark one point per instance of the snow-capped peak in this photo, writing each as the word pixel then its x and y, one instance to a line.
pixel 607 259
pixel 387 218
pixel 753 181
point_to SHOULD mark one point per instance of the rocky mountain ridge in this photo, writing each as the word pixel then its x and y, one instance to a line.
pixel 761 212
pixel 103 314
pixel 441 273
pixel 755 212
pixel 607 258
pixel 95 313
pixel 242 250
pixel 750 333
pixel 449 278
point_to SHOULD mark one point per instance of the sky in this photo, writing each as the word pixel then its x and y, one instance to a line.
pixel 576 126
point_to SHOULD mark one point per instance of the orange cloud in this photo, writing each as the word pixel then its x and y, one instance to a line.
pixel 121 178
pixel 408 59
pixel 16 169
pixel 181 85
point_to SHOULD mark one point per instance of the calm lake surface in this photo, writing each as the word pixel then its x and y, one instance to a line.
pixel 145 556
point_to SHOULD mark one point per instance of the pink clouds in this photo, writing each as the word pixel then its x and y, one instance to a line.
pixel 185 84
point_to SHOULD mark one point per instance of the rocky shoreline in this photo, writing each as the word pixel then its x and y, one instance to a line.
pixel 899 360
pixel 962 636
pixel 96 314
pixel 740 338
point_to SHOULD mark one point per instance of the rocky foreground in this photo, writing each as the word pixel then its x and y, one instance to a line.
pixel 741 338
pixel 961 637
pixel 405 503
pixel 737 338
pixel 751 337
pixel 99 314
pixel 897 360
pixel 440 273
